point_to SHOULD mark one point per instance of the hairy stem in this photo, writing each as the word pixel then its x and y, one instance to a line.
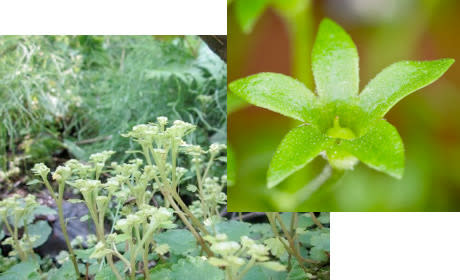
pixel 22 256
pixel 187 211
pixel 187 224
pixel 112 266
pixel 327 178
pixel 315 220
pixel 64 228
pixel 291 242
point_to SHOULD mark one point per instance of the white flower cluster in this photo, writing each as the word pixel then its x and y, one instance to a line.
pixel 234 255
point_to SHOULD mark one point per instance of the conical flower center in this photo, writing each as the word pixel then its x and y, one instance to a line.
pixel 340 132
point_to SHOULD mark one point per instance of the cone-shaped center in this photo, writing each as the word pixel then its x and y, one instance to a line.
pixel 340 132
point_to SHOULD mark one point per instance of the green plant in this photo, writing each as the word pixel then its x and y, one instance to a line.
pixel 153 233
pixel 18 214
pixel 76 94
pixel 339 124
pixel 61 175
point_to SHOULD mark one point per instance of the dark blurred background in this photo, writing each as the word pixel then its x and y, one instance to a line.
pixel 384 31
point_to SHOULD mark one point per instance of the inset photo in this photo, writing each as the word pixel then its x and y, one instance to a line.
pixel 343 106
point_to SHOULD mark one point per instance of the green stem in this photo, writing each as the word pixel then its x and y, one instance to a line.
pixel 248 266
pixel 299 24
pixel 187 224
pixel 64 229
pixel 132 257
pixel 50 189
pixel 13 233
pixel 315 220
pixel 291 242
pixel 121 257
pixel 187 211
pixel 146 260
pixel 200 188
pixel 112 266
pixel 327 177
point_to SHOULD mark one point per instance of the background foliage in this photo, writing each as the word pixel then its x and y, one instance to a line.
pixel 70 96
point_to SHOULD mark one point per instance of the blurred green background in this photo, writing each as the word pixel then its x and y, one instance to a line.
pixel 278 38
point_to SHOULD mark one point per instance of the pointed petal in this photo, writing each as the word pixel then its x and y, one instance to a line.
pixel 335 63
pixel 380 148
pixel 299 147
pixel 277 92
pixel 399 80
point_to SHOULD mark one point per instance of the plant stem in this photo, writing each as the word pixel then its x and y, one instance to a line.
pixel 248 266
pixel 187 211
pixel 327 177
pixel 291 241
pixel 64 229
pixel 146 260
pixel 22 256
pixel 299 24
pixel 187 224
pixel 112 266
pixel 315 220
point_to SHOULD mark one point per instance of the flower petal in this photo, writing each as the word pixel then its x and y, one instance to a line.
pixel 277 92
pixel 299 147
pixel 380 148
pixel 399 80
pixel 335 63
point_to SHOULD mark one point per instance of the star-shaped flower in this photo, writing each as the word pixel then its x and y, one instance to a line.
pixel 344 126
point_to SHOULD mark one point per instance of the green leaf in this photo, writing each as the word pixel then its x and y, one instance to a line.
pixel 195 269
pixel 321 241
pixel 261 231
pixel 180 241
pixel 299 147
pixel 297 273
pixel 399 80
pixel 303 221
pixel 33 182
pixel 22 271
pixel 66 271
pixel 324 218
pixel 106 272
pixel 247 12
pixel 380 148
pixel 83 254
pixel 276 247
pixel 279 93
pixel 161 271
pixel 74 149
pixel 318 254
pixel 335 63
pixel 44 210
pixel 259 272
pixel 234 229
pixel 41 230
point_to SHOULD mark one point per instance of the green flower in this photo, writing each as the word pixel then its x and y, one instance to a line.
pixel 339 123
pixel 41 170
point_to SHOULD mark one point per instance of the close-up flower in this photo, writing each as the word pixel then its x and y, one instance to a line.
pixel 337 122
